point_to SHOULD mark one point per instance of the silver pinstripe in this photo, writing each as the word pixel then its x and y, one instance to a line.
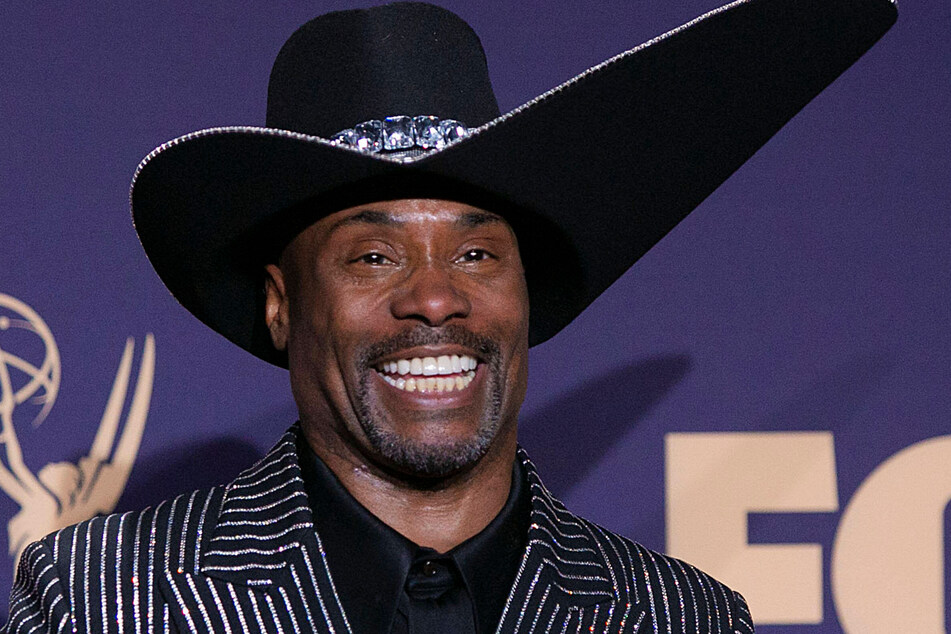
pixel 212 559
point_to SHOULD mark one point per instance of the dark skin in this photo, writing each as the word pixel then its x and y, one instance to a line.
pixel 397 280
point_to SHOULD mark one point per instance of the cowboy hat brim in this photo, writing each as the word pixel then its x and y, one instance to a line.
pixel 601 167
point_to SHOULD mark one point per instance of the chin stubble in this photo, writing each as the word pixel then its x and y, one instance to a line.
pixel 430 460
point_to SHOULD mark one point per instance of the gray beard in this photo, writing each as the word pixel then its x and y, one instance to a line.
pixel 424 460
pixel 430 461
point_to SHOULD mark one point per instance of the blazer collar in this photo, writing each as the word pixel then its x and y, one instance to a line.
pixel 562 552
pixel 266 520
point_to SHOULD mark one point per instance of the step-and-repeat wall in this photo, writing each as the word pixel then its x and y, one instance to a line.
pixel 765 394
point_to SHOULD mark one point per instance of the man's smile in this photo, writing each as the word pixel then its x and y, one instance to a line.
pixel 444 373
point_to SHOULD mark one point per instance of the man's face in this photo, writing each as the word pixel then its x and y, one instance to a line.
pixel 406 327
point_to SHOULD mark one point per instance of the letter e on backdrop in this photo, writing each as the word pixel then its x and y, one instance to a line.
pixel 713 480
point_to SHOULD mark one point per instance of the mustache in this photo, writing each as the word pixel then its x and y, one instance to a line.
pixel 420 335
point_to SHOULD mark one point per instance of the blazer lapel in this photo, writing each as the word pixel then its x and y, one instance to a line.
pixel 568 580
pixel 262 566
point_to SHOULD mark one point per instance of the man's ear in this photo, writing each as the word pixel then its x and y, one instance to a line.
pixel 276 309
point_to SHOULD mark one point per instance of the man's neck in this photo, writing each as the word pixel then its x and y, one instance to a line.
pixel 440 515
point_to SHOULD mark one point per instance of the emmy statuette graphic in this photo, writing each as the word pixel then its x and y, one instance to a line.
pixel 63 493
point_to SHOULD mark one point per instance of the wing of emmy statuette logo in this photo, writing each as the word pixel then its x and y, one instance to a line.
pixel 63 493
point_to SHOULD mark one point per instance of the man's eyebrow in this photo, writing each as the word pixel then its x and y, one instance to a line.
pixel 366 216
pixel 467 220
pixel 476 218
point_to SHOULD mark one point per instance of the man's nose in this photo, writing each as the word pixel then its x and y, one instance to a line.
pixel 431 296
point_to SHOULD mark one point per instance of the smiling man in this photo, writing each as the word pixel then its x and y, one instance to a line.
pixel 398 244
pixel 406 325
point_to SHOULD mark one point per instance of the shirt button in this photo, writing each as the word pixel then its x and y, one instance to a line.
pixel 430 569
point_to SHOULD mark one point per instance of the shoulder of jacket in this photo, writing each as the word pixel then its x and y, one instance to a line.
pixel 120 534
pixel 651 570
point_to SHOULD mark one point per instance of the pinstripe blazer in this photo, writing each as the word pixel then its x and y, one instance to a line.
pixel 246 557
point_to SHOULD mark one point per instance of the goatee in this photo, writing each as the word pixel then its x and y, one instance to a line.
pixel 430 460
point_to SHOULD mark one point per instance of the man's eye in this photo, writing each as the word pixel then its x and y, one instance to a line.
pixel 376 259
pixel 474 255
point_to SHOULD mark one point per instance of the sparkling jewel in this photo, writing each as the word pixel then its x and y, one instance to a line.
pixel 452 130
pixel 427 132
pixel 345 137
pixel 369 136
pixel 401 132
pixel 398 133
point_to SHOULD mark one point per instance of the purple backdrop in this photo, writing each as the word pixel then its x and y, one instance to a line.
pixel 811 292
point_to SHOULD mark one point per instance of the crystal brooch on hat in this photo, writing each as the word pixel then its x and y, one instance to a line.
pixel 401 133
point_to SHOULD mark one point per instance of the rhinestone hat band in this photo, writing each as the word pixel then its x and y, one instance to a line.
pixel 401 133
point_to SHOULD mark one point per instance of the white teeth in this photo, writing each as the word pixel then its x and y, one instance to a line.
pixel 429 366
pixel 431 383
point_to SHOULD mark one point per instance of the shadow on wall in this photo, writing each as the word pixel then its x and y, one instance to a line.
pixel 567 438
pixel 167 474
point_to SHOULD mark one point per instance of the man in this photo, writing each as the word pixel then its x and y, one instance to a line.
pixel 398 246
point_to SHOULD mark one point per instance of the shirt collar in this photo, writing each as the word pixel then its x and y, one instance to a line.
pixel 490 560
pixel 370 561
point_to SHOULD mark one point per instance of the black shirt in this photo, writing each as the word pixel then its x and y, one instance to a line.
pixel 389 585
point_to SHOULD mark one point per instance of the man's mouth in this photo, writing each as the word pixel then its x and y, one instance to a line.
pixel 429 374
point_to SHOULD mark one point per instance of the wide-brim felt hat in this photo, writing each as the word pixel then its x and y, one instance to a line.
pixel 590 174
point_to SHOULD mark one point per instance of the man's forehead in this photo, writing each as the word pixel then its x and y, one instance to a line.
pixel 411 213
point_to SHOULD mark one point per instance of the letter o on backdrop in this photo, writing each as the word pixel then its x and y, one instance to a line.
pixel 888 555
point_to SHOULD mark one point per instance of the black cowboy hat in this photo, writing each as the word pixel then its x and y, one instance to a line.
pixel 395 102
